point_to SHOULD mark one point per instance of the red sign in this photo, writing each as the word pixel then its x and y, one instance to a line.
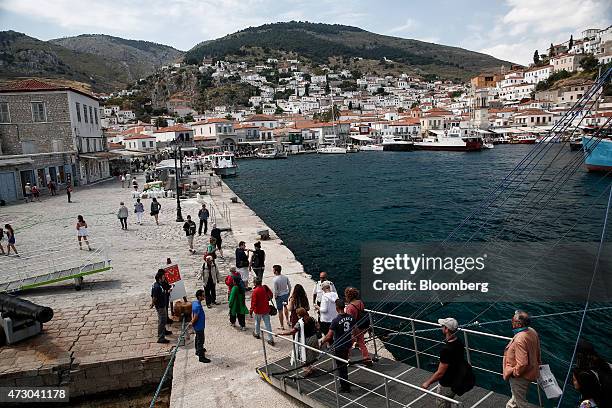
pixel 172 274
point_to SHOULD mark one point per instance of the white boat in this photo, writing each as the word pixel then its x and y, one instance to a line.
pixel 224 164
pixel 271 154
pixel 396 144
pixel 450 142
pixel 350 148
pixel 331 149
pixel 488 145
pixel 371 148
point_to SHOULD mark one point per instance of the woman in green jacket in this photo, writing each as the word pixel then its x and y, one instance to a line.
pixel 237 306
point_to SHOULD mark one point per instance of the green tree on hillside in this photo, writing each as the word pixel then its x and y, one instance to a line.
pixel 551 50
pixel 161 122
pixel 536 57
pixel 589 63
pixel 571 42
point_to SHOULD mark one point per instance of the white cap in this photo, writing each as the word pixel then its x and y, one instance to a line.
pixel 450 323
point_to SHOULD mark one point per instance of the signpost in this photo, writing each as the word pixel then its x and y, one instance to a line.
pixel 173 276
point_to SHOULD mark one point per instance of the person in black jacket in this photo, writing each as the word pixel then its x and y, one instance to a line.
pixel 203 215
pixel 190 230
pixel 216 234
pixel 242 263
pixel 258 259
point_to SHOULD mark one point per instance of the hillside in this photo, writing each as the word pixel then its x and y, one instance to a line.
pixel 23 56
pixel 140 58
pixel 320 42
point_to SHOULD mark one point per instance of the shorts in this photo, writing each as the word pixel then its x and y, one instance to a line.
pixel 82 232
pixel 218 243
pixel 281 301
pixel 244 274
pixel 11 241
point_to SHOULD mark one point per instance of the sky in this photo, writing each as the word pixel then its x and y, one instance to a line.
pixel 507 29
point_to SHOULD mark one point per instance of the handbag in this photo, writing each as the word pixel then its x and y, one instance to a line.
pixel 273 310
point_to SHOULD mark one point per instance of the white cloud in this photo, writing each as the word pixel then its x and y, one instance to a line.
pixel 409 25
pixel 533 24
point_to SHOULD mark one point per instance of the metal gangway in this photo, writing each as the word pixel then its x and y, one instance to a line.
pixel 389 383
pixel 53 264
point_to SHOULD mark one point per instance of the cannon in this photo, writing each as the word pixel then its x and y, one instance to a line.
pixel 20 318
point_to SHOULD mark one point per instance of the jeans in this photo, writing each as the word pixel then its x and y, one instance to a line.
pixel 199 342
pixel 519 387
pixel 162 318
pixel 258 272
pixel 205 224
pixel 210 291
pixel 343 367
pixel 240 319
pixel 447 392
pixel 123 222
pixel 139 217
pixel 266 319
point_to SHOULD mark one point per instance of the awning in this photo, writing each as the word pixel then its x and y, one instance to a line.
pixel 189 149
pixel 259 142
pixel 15 161
pixel 362 138
pixel 100 156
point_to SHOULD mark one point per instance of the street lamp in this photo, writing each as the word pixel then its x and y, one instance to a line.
pixel 177 150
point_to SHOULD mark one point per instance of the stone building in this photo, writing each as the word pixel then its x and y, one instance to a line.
pixel 48 133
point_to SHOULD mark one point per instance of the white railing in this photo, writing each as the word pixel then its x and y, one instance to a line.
pixel 386 378
pixel 413 333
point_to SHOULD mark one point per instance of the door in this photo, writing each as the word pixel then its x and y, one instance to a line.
pixel 8 189
pixel 27 176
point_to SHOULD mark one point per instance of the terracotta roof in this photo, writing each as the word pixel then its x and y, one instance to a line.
pixel 258 118
pixel 526 112
pixel 245 126
pixel 175 128
pixel 139 136
pixel 211 120
pixel 34 85
pixel 406 122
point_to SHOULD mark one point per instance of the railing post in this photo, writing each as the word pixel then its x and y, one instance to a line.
pixel 416 349
pixel 467 347
pixel 539 395
pixel 386 393
pixel 373 335
pixel 334 366
pixel 263 341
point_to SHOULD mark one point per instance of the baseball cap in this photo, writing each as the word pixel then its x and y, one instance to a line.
pixel 450 323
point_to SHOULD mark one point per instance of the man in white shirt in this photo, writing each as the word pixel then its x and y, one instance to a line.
pixel 281 288
pixel 327 309
pixel 317 291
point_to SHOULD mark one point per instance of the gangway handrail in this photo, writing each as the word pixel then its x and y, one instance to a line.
pixel 368 370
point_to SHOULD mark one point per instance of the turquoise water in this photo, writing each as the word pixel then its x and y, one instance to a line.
pixel 325 206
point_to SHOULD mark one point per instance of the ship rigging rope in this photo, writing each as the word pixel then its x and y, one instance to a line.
pixel 586 303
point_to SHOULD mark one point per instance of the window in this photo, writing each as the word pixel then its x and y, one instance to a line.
pixel 96 115
pixel 85 113
pixel 38 112
pixel 151 143
pixel 78 109
pixel 4 113
pixel 87 142
pixel 91 115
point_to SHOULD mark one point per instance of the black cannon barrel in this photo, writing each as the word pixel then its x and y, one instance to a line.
pixel 16 307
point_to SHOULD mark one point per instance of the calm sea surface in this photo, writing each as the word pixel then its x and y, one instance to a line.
pixel 325 206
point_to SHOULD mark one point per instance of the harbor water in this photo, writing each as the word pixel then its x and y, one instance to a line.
pixel 324 207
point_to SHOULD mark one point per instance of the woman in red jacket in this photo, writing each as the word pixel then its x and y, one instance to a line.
pixel 260 305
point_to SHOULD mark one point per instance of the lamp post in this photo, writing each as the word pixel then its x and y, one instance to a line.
pixel 177 151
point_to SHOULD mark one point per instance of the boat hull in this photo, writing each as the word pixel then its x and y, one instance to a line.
pixel 469 146
pixel 398 147
pixel 597 153
pixel 226 171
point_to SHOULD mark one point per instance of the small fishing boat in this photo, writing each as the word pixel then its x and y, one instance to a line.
pixel 224 164
pixel 271 154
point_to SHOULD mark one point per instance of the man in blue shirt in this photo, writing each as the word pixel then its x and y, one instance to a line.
pixel 198 322
pixel 341 330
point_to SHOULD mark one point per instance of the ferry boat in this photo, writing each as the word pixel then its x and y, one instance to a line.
pixel 450 142
pixel 224 164
pixel 396 144
pixel 597 153
pixel 271 154
pixel 372 147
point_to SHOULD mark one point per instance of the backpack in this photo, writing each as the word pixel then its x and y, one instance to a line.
pixel 155 206
pixel 363 319
pixel 465 379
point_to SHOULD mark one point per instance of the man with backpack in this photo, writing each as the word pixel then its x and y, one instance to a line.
pixel 258 259
pixel 454 374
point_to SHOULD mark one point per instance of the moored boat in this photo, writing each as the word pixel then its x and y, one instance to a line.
pixel 450 142
pixel 331 149
pixel 597 153
pixel 523 139
pixel 396 144
pixel 224 164
pixel 371 148
pixel 271 154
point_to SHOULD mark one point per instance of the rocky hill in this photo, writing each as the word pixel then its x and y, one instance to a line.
pixel 321 42
pixel 140 58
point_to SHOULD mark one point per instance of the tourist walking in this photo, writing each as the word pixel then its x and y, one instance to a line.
pixel 211 248
pixel 236 303
pixel 190 229
pixel 82 233
pixel 588 384
pixel 210 277
pixel 304 334
pixel 521 363
pixel 155 209
pixel 122 214
pixel 35 193
pixel 281 286
pixel 258 259
pixel 10 238
pixel 317 292
pixel 1 241
pixel 27 192
pixel 451 365
pixel 139 211
pixel 134 184
pixel 69 192
pixel 339 337
pixel 260 306
pixel 297 299
pixel 122 178
pixel 356 308
pixel 52 188
pixel 216 234
pixel 242 262
pixel 203 215
pixel 159 302
pixel 327 308
pixel 198 322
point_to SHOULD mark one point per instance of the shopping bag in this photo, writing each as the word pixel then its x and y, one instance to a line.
pixel 548 382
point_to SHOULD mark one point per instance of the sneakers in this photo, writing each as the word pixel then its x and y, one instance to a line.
pixel 271 342
pixel 256 335
pixel 163 341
